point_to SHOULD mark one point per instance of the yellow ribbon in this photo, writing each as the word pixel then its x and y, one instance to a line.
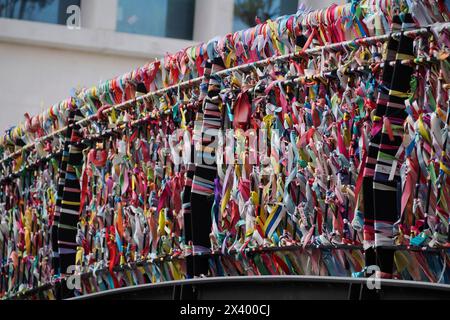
pixel 79 255
pixel 423 131
pixel 444 168
pixel 161 222
pixel 225 200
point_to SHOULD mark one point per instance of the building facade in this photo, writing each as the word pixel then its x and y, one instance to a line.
pixel 48 47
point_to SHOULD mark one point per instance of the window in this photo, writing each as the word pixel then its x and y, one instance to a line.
pixel 49 11
pixel 161 18
pixel 245 11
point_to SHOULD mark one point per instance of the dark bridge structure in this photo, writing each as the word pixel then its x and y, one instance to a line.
pixel 277 288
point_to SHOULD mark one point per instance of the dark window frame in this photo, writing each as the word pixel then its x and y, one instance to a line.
pixel 253 9
pixel 60 18
pixel 177 26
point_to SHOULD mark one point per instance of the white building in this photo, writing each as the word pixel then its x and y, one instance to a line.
pixel 42 57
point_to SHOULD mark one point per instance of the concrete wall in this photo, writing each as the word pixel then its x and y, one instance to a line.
pixel 99 14
pixel 212 18
pixel 320 4
pixel 35 77
pixel 40 63
pixel 215 17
